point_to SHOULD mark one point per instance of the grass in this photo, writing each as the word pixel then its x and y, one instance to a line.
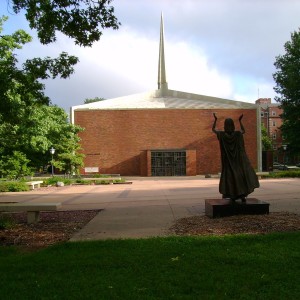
pixel 230 267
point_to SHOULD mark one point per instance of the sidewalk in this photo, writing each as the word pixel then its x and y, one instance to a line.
pixel 149 206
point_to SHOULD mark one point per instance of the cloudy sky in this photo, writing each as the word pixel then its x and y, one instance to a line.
pixel 221 48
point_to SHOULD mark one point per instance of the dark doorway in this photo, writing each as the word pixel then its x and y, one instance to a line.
pixel 168 163
pixel 267 161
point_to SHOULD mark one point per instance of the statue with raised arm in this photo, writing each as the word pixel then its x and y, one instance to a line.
pixel 238 178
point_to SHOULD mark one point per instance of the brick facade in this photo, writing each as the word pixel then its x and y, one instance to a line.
pixel 116 141
pixel 270 118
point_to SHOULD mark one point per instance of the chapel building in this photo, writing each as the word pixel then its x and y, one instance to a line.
pixel 162 132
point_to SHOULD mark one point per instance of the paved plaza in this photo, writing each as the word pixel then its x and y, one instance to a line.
pixel 149 206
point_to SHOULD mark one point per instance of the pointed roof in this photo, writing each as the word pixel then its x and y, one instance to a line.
pixel 163 98
pixel 162 80
pixel 170 99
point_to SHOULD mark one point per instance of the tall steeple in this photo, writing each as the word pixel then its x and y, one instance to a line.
pixel 162 81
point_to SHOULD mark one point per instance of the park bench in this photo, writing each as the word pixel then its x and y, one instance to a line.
pixel 33 209
pixel 34 184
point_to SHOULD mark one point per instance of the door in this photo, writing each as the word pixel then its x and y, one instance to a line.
pixel 168 163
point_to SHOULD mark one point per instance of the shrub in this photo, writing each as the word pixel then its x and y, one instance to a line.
pixel 54 180
pixel 102 182
pixel 13 186
pixel 283 174
pixel 100 176
pixel 81 181
pixel 6 221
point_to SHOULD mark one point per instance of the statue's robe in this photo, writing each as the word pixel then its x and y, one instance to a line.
pixel 238 178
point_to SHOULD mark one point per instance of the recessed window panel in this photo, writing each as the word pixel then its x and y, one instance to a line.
pixel 168 163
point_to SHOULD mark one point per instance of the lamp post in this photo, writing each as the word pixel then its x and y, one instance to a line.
pixel 284 149
pixel 52 151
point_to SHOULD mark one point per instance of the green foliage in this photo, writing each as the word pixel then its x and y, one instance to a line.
pixel 266 140
pixel 91 100
pixel 103 182
pixel 27 123
pixel 21 86
pixel 6 221
pixel 287 81
pixel 100 176
pixel 54 180
pixel 283 174
pixel 68 181
pixel 228 267
pixel 81 20
pixel 69 158
pixel 83 182
pixel 13 186
pixel 15 166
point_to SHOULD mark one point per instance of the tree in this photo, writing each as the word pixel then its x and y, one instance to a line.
pixel 81 20
pixel 29 125
pixel 91 100
pixel 15 166
pixel 63 136
pixel 265 139
pixel 35 131
pixel 21 87
pixel 287 79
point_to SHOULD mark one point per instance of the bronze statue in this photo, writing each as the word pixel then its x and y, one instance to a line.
pixel 238 178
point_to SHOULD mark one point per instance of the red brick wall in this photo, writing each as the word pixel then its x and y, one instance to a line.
pixel 191 162
pixel 113 140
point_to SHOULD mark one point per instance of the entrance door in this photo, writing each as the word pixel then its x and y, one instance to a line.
pixel 168 163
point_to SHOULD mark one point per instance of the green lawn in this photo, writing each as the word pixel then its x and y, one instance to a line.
pixel 230 267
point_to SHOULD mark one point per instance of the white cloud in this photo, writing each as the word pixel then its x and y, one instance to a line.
pixel 218 48
pixel 127 55
pixel 188 70
pixel 135 58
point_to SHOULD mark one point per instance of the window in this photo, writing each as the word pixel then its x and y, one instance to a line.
pixel 168 162
pixel 273 113
pixel 274 147
pixel 274 123
pixel 274 136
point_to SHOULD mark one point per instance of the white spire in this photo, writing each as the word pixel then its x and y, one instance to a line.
pixel 162 81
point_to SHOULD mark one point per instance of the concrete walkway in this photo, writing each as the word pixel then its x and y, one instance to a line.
pixel 149 206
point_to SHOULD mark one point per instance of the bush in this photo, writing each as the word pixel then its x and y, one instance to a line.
pixel 84 182
pixel 6 221
pixel 102 182
pixel 54 180
pixel 13 186
pixel 283 174
pixel 100 176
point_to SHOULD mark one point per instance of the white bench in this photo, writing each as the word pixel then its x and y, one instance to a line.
pixel 34 184
pixel 32 209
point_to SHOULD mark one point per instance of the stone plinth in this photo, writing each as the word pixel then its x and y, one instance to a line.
pixel 216 208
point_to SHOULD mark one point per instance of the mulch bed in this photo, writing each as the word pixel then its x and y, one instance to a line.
pixel 53 227
pixel 248 224
pixel 56 227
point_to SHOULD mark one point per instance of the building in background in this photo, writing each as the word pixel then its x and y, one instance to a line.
pixel 162 132
pixel 270 118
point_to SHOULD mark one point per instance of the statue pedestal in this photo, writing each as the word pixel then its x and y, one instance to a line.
pixel 216 208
